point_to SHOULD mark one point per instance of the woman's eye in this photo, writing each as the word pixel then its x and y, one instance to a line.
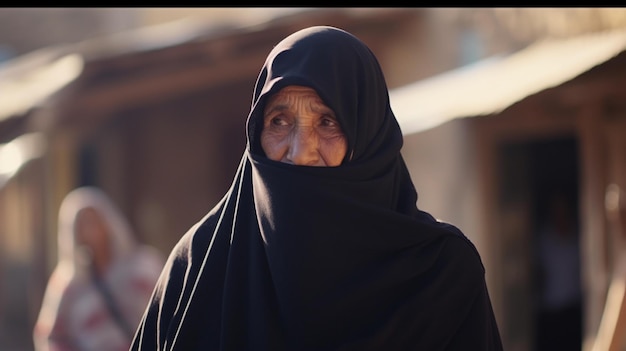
pixel 278 121
pixel 328 122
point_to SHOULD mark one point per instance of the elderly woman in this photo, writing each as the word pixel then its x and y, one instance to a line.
pixel 319 244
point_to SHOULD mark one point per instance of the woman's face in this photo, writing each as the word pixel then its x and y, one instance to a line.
pixel 298 128
pixel 92 233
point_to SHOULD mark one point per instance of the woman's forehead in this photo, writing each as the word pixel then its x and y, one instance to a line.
pixel 89 213
pixel 294 90
pixel 292 94
pixel 297 89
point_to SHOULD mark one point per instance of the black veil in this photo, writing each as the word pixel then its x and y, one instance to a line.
pixel 322 258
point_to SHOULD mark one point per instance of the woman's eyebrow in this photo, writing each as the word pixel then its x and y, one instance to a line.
pixel 322 109
pixel 276 107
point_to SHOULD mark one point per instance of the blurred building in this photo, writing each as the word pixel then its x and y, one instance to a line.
pixel 23 30
pixel 494 139
pixel 155 116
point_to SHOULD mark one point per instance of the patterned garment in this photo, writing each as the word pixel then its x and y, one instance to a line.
pixel 74 314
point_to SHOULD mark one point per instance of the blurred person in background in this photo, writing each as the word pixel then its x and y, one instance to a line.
pixel 612 330
pixel 102 283
pixel 560 319
pixel 319 244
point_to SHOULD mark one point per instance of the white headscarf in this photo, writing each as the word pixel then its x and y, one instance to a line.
pixel 121 237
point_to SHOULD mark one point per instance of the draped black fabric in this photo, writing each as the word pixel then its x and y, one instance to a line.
pixel 322 258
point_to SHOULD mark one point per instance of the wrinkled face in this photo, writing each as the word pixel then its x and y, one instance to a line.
pixel 298 128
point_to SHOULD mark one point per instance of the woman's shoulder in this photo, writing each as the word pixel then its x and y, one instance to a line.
pixel 63 281
pixel 196 238
pixel 459 250
pixel 199 233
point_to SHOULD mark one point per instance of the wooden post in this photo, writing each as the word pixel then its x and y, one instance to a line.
pixel 593 234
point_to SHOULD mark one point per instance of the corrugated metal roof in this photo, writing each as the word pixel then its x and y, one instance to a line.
pixel 493 84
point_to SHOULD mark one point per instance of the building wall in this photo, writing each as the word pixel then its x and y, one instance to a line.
pixel 182 161
pixel 22 250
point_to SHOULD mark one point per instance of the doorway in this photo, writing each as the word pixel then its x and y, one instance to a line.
pixel 541 252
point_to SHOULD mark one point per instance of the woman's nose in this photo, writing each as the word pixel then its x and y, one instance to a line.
pixel 303 149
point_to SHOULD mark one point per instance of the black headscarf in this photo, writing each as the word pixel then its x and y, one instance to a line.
pixel 322 258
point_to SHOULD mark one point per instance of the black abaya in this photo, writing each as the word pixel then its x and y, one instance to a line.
pixel 323 258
